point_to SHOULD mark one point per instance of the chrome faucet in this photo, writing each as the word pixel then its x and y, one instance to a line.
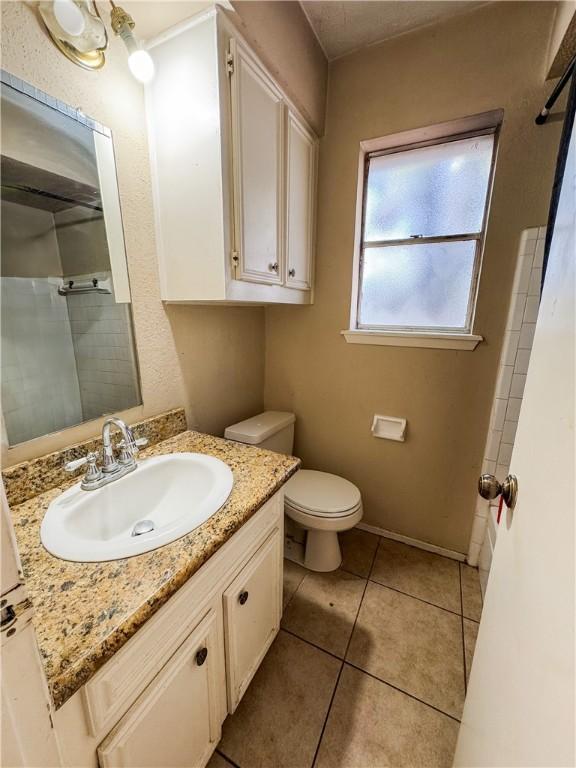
pixel 112 468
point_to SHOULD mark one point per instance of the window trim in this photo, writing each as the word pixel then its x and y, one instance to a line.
pixel 487 123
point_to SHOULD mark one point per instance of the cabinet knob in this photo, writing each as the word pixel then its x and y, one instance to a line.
pixel 201 656
pixel 243 597
pixel 292 272
pixel 273 267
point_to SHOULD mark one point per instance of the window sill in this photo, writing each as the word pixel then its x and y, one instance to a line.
pixel 465 341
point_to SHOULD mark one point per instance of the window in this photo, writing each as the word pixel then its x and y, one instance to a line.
pixel 424 209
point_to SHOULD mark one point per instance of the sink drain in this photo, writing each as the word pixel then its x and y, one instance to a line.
pixel 143 526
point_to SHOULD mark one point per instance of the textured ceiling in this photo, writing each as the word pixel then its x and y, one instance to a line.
pixel 342 27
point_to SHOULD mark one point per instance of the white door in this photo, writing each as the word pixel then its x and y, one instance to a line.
pixel 520 705
pixel 27 735
pixel 175 723
pixel 252 612
pixel 300 193
pixel 257 151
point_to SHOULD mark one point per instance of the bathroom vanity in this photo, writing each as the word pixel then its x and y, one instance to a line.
pixel 189 666
pixel 145 656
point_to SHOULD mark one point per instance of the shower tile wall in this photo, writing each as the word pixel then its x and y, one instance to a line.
pixel 40 391
pixel 512 371
pixel 105 358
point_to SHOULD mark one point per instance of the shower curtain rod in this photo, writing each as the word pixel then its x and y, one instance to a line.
pixel 545 111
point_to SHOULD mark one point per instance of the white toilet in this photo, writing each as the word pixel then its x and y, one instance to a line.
pixel 319 503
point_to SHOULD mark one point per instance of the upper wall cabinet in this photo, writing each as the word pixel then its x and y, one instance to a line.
pixel 234 172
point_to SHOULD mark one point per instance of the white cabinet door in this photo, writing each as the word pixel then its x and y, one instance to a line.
pixel 175 723
pixel 252 612
pixel 257 149
pixel 300 199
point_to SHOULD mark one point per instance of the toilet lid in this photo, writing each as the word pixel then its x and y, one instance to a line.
pixel 321 492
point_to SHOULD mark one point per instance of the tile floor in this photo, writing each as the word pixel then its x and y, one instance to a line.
pixel 369 669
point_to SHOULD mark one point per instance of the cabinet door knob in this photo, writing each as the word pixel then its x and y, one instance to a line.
pixel 292 272
pixel 201 656
pixel 273 267
pixel 243 597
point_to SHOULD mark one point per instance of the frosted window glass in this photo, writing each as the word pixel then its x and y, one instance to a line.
pixel 431 191
pixel 420 285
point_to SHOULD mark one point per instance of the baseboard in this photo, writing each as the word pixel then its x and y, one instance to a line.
pixel 412 542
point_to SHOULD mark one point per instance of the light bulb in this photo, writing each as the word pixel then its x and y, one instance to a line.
pixel 141 65
pixel 70 17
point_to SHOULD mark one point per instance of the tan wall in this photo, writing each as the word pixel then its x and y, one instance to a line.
pixel 425 487
pixel 222 359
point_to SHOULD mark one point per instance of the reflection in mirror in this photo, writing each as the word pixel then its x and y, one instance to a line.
pixel 68 351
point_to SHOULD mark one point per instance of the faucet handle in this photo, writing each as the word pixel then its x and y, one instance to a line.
pixel 128 450
pixel 93 472
pixel 90 459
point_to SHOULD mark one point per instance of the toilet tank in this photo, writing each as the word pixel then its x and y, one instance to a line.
pixel 273 430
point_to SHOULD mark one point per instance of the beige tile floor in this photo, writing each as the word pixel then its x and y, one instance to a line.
pixel 369 669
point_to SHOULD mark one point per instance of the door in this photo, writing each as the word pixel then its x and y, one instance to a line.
pixel 520 705
pixel 257 152
pixel 27 733
pixel 300 194
pixel 175 723
pixel 252 612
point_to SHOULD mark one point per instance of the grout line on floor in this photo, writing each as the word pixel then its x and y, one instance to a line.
pixel 342 667
pixel 347 570
pixel 370 674
pixel 327 715
pixel 372 564
pixel 228 759
pixel 309 642
pixel 401 690
pixel 463 636
pixel 296 590
pixel 380 584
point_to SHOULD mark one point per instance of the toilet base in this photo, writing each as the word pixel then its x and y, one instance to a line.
pixel 322 551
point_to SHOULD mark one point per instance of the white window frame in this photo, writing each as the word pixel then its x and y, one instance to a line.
pixel 485 123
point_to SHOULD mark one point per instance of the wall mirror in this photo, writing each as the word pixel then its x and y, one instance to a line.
pixel 68 352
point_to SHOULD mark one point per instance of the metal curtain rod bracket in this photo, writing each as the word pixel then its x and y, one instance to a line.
pixel 543 116
pixel 92 285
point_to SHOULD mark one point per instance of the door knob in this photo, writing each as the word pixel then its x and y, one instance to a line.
pixel 273 267
pixel 292 272
pixel 201 656
pixel 242 597
pixel 489 488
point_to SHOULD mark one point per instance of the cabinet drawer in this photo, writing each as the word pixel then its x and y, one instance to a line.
pixel 175 723
pixel 252 612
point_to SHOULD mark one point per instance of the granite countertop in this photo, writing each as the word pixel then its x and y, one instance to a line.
pixel 85 612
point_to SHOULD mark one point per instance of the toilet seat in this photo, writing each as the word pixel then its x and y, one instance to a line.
pixel 321 514
pixel 321 494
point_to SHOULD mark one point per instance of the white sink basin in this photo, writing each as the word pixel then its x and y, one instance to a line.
pixel 176 493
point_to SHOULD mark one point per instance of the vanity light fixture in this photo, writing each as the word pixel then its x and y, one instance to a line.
pixel 78 31
pixel 139 60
